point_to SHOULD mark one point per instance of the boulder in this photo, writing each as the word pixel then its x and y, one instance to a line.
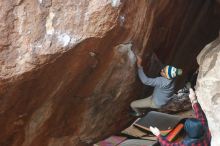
pixel 207 86
pixel 68 69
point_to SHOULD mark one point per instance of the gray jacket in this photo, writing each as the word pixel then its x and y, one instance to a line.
pixel 164 88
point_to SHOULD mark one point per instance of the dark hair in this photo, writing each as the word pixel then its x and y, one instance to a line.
pixel 162 66
pixel 194 128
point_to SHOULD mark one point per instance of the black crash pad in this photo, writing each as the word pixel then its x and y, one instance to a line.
pixel 164 122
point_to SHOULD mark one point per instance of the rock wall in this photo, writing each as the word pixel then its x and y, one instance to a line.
pixel 208 84
pixel 68 70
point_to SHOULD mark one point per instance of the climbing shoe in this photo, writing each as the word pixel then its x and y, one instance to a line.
pixel 135 114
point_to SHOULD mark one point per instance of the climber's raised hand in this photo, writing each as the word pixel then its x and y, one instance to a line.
pixel 192 96
pixel 139 61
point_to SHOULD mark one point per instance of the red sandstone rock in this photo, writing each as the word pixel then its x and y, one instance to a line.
pixel 67 70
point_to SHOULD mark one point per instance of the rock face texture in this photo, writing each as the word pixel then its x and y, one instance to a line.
pixel 208 86
pixel 68 70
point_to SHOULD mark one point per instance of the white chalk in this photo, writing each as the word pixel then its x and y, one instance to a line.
pixel 49 24
pixel 64 39
pixel 122 20
pixel 116 3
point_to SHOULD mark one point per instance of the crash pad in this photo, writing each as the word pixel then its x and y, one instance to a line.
pixel 135 132
pixel 164 122
pixel 137 142
pixel 174 133
pixel 111 141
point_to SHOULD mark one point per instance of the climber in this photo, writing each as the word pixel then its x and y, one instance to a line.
pixel 197 129
pixel 164 88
